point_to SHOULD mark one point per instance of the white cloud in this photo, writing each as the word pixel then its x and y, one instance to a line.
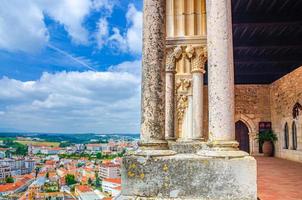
pixel 22 26
pixel 107 4
pixel 133 67
pixel 131 39
pixel 102 32
pixel 134 33
pixel 71 14
pixel 74 101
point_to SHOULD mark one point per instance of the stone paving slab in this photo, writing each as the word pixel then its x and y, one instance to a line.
pixel 279 179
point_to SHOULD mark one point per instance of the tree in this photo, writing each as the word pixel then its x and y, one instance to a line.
pixel 37 169
pixel 9 179
pixel 97 180
pixel 21 149
pixel 70 179
pixel 90 181
pixel 99 155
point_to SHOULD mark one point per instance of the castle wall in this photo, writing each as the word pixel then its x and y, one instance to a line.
pixel 285 93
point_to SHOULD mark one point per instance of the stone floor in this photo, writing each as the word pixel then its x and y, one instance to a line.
pixel 279 179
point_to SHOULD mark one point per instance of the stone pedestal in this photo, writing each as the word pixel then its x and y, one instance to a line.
pixel 188 176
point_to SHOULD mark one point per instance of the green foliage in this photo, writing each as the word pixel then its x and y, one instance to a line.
pixel 21 149
pixel 11 143
pixel 51 187
pixel 70 179
pixel 97 180
pixel 267 136
pixel 8 141
pixel 90 181
pixel 80 165
pixel 99 155
pixel 37 170
pixel 9 179
pixel 65 144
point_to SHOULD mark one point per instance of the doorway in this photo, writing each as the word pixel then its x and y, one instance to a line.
pixel 242 136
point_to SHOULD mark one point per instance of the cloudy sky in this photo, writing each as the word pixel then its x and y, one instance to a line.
pixel 70 65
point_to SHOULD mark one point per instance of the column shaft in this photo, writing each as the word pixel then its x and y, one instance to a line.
pixel 197 105
pixel 220 70
pixel 153 74
pixel 170 105
pixel 198 59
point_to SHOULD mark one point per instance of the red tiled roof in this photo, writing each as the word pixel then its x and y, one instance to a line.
pixel 118 188
pixel 50 162
pixel 94 145
pixel 13 186
pixel 113 180
pixel 110 165
pixel 83 188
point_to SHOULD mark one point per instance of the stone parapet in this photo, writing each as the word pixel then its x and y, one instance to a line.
pixel 188 176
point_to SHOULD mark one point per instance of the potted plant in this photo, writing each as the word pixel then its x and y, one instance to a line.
pixel 267 139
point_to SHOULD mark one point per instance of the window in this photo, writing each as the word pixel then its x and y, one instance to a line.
pixel 286 136
pixel 294 136
pixel 296 110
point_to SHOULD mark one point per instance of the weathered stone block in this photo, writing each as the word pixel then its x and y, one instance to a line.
pixel 188 176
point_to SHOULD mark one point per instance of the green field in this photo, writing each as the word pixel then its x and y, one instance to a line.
pixel 48 144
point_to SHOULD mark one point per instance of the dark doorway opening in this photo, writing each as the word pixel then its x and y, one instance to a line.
pixel 242 136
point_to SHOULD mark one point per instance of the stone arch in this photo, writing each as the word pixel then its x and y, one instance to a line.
pixel 248 121
pixel 252 130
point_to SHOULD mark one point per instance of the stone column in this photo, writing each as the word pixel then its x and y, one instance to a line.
pixel 198 60
pixel 220 74
pixel 172 56
pixel 153 75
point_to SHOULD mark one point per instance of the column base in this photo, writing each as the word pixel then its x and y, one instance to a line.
pixel 188 176
pixel 153 145
pixel 187 146
pixel 153 149
pixel 170 139
pixel 222 149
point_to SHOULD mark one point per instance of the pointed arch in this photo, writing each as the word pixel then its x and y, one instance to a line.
pixel 294 136
pixel 248 121
pixel 296 110
pixel 286 136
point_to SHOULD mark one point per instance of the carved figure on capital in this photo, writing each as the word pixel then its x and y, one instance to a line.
pixel 173 54
pixel 198 57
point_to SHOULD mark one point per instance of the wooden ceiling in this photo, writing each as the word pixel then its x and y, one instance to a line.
pixel 267 37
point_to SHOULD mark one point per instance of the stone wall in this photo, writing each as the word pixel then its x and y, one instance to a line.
pixel 285 93
pixel 252 105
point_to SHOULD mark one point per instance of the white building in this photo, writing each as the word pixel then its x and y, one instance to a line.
pixel 84 192
pixel 18 166
pixel 4 172
pixel 112 186
pixel 110 170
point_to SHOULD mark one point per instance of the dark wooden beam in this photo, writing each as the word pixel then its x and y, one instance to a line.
pixel 267 24
pixel 258 17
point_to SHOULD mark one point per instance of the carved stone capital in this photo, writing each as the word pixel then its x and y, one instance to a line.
pixel 183 85
pixel 173 54
pixel 198 57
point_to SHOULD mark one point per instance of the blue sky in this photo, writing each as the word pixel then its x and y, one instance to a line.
pixel 70 65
